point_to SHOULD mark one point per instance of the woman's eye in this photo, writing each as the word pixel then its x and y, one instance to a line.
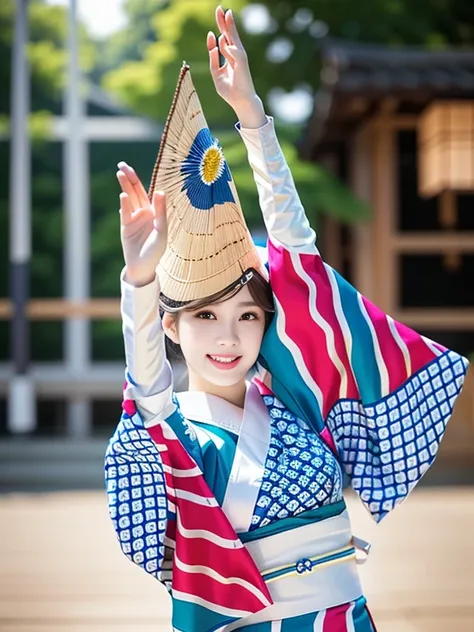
pixel 205 315
pixel 249 316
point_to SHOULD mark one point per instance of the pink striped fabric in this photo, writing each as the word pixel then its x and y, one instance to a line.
pixel 309 291
pixel 211 566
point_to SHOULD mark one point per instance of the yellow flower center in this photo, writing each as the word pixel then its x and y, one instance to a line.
pixel 211 165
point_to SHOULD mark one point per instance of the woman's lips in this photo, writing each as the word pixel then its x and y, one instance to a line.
pixel 225 364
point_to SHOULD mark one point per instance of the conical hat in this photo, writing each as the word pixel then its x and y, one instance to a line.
pixel 209 246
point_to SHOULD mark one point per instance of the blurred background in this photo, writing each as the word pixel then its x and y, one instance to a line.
pixel 374 102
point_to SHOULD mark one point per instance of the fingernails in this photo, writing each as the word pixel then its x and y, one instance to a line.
pixel 122 164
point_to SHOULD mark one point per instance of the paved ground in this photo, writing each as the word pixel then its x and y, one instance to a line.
pixel 61 569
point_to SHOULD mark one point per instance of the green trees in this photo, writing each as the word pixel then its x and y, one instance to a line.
pixel 139 65
pixel 47 27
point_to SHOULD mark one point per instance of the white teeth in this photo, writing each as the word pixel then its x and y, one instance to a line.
pixel 225 360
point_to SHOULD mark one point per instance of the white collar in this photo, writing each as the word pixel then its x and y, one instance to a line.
pixel 211 409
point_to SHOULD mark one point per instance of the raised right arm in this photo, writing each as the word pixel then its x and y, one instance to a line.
pixel 149 379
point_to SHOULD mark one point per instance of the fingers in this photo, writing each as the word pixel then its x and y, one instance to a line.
pixel 227 50
pixel 220 19
pixel 139 192
pixel 126 209
pixel 214 63
pixel 159 203
pixel 159 208
pixel 211 41
pixel 227 26
pixel 128 188
pixel 231 29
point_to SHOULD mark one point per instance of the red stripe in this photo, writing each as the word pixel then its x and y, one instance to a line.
pixel 326 435
pixel 225 595
pixel 203 518
pixel 325 301
pixel 335 619
pixel 171 529
pixel 262 388
pixel 420 353
pixel 391 353
pixel 192 484
pixel 199 551
pixel 292 293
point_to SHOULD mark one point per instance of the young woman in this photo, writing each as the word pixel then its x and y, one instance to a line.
pixel 231 493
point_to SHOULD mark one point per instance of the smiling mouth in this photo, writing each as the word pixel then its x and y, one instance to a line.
pixel 224 362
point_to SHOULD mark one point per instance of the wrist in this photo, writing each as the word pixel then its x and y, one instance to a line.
pixel 251 113
pixel 138 280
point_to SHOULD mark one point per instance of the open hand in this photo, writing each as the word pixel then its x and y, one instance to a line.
pixel 233 81
pixel 142 227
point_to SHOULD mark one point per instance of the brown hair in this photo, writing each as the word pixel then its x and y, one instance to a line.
pixel 260 292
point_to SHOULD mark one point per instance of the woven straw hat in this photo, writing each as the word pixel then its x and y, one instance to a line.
pixel 209 247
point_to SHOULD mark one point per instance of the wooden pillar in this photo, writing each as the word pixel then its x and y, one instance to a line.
pixel 331 246
pixel 385 204
pixel 332 243
pixel 360 176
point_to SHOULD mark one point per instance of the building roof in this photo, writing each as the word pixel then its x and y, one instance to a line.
pixel 356 78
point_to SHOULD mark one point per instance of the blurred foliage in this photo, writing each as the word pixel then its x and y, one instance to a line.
pixel 130 43
pixel 179 31
pixel 432 24
pixel 140 65
pixel 47 31
pixel 318 189
pixel 147 85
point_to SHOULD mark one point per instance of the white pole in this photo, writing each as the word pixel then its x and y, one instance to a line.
pixel 21 402
pixel 76 272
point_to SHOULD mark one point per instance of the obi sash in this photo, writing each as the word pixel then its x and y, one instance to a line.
pixel 309 568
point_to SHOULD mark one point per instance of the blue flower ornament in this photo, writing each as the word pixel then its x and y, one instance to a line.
pixel 206 172
pixel 304 566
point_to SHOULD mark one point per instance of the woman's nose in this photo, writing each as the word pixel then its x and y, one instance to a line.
pixel 227 337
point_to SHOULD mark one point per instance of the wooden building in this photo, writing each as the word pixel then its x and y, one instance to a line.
pixel 397 125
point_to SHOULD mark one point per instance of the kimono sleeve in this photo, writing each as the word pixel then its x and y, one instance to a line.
pixel 137 487
pixel 378 390
pixel 136 492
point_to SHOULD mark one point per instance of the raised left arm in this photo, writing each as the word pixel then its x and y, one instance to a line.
pixel 283 213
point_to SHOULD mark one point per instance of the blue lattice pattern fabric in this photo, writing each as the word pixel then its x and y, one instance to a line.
pixel 386 447
pixel 301 472
pixel 136 494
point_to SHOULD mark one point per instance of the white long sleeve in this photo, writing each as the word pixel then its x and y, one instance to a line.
pixel 148 375
pixel 283 213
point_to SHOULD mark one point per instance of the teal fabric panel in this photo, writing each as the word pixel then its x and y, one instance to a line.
pixel 217 452
pixel 192 616
pixel 306 517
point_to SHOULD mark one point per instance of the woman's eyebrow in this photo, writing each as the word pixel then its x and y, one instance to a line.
pixel 247 304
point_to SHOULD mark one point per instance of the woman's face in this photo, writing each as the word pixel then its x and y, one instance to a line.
pixel 220 343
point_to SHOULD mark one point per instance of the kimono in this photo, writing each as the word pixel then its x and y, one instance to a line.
pixel 240 512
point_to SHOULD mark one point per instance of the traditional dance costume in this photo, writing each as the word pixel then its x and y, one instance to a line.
pixel 248 502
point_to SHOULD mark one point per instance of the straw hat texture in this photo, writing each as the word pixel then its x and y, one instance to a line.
pixel 209 246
